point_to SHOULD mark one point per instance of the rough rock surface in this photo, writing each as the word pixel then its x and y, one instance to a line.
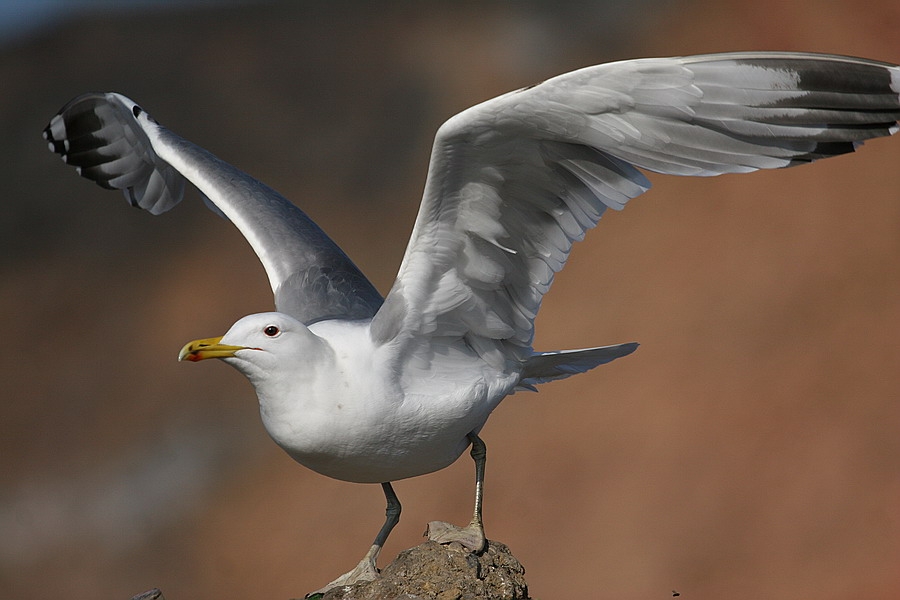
pixel 431 571
pixel 435 572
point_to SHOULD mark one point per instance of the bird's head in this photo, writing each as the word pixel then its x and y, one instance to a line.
pixel 259 345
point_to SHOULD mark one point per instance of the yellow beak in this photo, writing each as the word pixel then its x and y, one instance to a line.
pixel 207 348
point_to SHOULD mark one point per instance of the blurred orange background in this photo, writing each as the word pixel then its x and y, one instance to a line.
pixel 749 449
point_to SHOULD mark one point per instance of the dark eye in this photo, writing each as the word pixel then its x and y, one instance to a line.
pixel 271 331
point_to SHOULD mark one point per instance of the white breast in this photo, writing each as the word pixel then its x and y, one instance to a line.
pixel 357 421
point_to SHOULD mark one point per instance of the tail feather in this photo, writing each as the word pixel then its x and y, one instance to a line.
pixel 542 367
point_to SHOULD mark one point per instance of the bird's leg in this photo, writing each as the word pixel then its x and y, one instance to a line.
pixel 366 569
pixel 471 536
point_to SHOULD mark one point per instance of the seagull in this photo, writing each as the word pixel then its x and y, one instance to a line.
pixel 372 389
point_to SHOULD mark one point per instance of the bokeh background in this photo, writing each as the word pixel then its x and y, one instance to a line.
pixel 749 449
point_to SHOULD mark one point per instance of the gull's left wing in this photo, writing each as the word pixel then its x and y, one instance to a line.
pixel 112 141
pixel 514 181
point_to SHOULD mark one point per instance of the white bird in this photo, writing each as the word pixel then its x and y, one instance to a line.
pixel 373 390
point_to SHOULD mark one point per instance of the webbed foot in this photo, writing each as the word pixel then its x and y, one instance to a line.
pixel 471 536
pixel 364 571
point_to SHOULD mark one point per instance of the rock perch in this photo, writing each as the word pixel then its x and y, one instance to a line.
pixel 432 571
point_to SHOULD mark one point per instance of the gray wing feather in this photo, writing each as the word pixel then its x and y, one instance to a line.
pixel 112 141
pixel 102 140
pixel 516 180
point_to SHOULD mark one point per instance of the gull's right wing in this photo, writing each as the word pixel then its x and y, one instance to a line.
pixel 112 141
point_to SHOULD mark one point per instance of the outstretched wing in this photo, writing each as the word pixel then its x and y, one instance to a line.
pixel 112 141
pixel 513 182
